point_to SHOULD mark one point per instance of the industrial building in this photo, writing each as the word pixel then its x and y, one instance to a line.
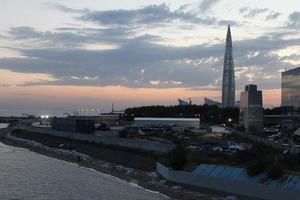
pixel 110 119
pixel 179 122
pixel 290 88
pixel 73 124
pixel 251 109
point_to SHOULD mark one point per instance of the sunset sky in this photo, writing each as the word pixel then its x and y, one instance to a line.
pixel 62 55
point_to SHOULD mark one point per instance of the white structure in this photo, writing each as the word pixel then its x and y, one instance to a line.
pixel 218 129
pixel 180 122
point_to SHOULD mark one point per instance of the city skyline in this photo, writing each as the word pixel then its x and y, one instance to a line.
pixel 68 55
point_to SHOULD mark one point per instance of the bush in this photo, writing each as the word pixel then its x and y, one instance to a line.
pixel 241 128
pixel 275 172
pixel 256 167
pixel 252 129
pixel 178 157
pixel 123 133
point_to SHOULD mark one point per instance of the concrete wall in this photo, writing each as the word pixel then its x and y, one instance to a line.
pixel 229 186
pixel 128 143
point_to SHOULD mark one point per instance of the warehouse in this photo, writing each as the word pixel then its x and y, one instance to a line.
pixel 73 124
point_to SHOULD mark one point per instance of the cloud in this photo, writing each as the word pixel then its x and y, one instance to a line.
pixel 140 60
pixel 4 85
pixel 206 5
pixel 63 8
pixel 248 12
pixel 273 15
pixel 293 20
pixel 69 37
pixel 152 14
pixel 252 12
pixel 193 66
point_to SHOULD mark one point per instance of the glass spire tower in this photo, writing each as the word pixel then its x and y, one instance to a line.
pixel 228 84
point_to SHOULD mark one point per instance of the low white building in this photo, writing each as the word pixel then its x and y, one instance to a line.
pixel 180 122
pixel 218 129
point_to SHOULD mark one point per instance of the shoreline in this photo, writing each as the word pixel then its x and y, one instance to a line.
pixel 150 181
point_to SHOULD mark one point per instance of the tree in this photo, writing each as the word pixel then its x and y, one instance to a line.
pixel 178 157
pixel 275 172
pixel 256 167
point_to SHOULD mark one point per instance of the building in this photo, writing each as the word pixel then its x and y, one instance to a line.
pixel 180 122
pixel 109 119
pixel 184 103
pixel 73 124
pixel 211 102
pixel 251 109
pixel 290 88
pixel 228 84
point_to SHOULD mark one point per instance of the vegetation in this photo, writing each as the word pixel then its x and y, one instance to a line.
pixel 241 128
pixel 123 133
pixel 178 157
pixel 256 167
pixel 275 172
pixel 207 114
pixel 284 110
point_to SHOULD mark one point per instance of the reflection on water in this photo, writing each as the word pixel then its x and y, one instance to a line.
pixel 28 175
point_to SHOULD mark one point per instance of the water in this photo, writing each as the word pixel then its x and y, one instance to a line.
pixel 28 175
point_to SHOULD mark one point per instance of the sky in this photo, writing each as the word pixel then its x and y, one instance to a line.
pixel 64 55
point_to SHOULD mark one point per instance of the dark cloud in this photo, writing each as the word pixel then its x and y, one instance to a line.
pixel 69 37
pixel 207 4
pixel 64 8
pixel 273 15
pixel 294 20
pixel 249 12
pixel 252 12
pixel 139 59
pixel 139 62
pixel 152 14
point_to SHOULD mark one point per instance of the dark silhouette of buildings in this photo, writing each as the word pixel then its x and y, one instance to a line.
pixel 73 124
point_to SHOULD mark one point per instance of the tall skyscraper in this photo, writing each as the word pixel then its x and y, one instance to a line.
pixel 228 85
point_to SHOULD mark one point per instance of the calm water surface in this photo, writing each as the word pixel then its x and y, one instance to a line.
pixel 28 175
